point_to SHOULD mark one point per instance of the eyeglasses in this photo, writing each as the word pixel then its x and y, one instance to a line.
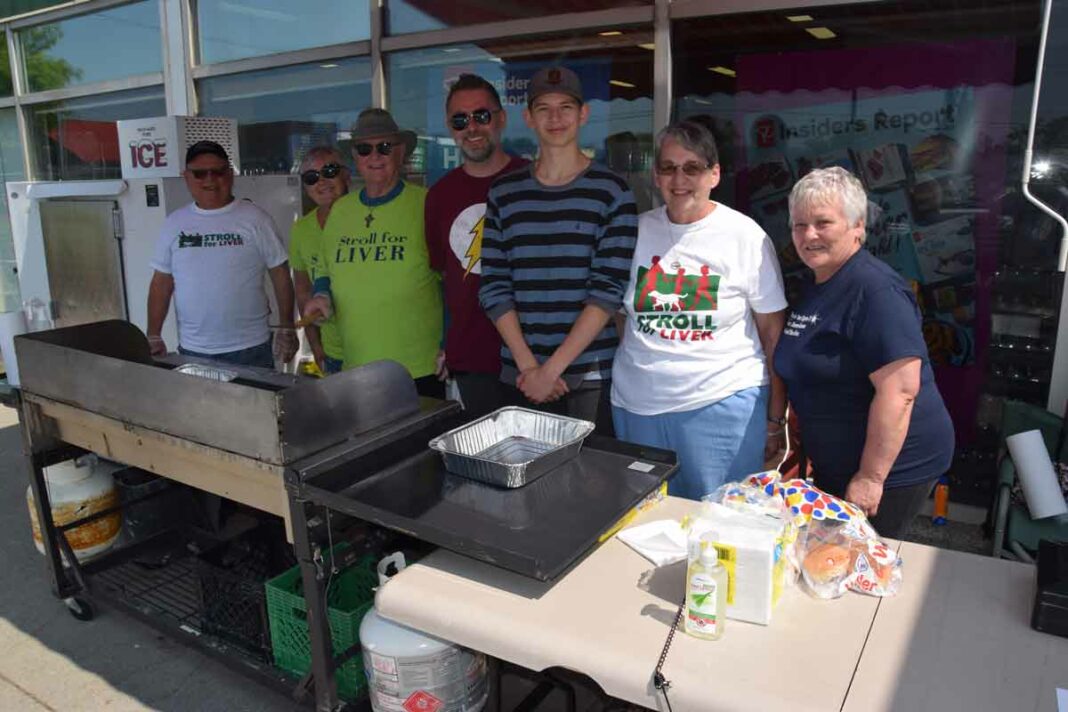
pixel 384 148
pixel 461 121
pixel 202 173
pixel 330 170
pixel 690 168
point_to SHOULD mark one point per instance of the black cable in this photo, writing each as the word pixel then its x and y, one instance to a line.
pixel 659 681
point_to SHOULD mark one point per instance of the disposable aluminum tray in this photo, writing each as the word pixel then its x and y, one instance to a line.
pixel 512 446
pixel 209 372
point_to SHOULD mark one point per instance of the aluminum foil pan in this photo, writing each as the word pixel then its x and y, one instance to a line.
pixel 209 372
pixel 511 446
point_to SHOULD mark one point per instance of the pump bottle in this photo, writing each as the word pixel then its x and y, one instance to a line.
pixel 706 594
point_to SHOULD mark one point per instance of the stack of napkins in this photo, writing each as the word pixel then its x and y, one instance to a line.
pixel 663 542
pixel 750 547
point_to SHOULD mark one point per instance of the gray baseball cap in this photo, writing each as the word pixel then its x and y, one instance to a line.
pixel 554 80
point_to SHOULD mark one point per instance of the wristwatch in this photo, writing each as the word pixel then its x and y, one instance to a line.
pixel 777 421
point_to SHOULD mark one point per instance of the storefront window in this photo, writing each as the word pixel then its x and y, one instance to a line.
pixel 421 15
pixel 10 170
pixel 72 52
pixel 236 29
pixel 76 139
pixel 617 78
pixel 283 112
pixel 927 103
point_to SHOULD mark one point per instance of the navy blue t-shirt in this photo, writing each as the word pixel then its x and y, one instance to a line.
pixel 858 321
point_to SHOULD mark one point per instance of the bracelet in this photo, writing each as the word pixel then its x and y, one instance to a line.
pixel 777 421
pixel 776 432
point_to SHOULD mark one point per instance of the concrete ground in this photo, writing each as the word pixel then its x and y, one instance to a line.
pixel 51 661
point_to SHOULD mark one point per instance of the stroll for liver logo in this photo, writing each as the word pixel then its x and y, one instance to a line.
pixel 667 304
pixel 195 239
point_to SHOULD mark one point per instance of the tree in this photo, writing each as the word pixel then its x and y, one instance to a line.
pixel 43 72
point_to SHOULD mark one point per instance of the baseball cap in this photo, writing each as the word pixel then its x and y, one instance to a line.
pixel 554 80
pixel 201 148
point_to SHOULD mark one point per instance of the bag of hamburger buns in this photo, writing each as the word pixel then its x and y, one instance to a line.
pixel 836 560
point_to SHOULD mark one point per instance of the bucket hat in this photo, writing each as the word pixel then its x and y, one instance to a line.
pixel 372 123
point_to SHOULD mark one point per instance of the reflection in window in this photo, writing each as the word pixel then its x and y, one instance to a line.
pixel 1050 167
pixel 7 87
pixel 76 139
pixel 10 170
pixel 235 29
pixel 70 52
pixel 421 15
pixel 617 78
pixel 927 104
pixel 283 112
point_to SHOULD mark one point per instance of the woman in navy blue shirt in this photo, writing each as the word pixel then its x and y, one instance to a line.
pixel 855 363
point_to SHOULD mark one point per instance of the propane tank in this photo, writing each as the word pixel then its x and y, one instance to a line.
pixel 409 670
pixel 77 489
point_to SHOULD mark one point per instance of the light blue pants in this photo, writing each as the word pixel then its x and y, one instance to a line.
pixel 722 442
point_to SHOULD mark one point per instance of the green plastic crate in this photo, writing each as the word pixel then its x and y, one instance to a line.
pixel 350 596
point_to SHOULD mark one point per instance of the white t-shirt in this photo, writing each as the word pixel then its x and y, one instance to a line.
pixel 218 259
pixel 690 338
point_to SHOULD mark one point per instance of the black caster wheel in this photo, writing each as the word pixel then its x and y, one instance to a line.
pixel 80 608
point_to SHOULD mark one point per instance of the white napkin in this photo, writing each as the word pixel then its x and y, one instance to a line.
pixel 662 542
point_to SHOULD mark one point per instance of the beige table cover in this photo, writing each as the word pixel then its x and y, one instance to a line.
pixel 609 615
pixel 957 638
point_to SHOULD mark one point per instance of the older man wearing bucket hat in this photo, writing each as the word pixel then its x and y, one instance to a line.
pixel 377 276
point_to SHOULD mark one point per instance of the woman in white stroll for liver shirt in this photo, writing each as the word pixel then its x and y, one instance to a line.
pixel 704 310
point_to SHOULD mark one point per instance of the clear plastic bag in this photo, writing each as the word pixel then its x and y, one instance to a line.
pixel 837 560
pixel 875 568
pixel 830 530
pixel 825 567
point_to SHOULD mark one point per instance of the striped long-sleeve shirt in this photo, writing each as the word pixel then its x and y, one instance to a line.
pixel 548 251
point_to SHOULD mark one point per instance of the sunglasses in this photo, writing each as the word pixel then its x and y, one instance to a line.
pixel 482 117
pixel 202 173
pixel 690 168
pixel 384 148
pixel 330 170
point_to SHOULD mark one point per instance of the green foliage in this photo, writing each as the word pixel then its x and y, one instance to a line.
pixel 43 72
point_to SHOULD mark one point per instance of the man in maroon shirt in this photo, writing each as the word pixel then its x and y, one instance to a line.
pixel 455 207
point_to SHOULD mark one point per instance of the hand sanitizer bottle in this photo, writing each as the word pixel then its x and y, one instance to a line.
pixel 706 594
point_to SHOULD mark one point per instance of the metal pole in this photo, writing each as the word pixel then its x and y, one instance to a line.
pixel 662 89
pixel 35 461
pixel 322 649
pixel 1062 257
pixel 379 96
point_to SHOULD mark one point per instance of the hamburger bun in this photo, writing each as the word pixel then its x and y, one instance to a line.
pixel 826 563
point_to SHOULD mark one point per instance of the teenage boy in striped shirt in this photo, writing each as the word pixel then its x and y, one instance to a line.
pixel 556 251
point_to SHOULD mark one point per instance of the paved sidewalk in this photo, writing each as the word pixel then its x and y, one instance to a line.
pixel 50 661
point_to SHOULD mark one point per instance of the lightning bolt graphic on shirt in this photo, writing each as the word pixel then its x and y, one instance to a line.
pixel 474 250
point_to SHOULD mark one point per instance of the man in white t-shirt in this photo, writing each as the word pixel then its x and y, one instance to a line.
pixel 211 256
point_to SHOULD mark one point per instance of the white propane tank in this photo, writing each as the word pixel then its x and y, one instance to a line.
pixel 410 671
pixel 78 489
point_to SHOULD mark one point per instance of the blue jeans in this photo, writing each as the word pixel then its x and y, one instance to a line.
pixel 261 355
pixel 721 442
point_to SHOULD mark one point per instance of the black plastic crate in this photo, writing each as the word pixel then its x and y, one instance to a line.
pixel 231 579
